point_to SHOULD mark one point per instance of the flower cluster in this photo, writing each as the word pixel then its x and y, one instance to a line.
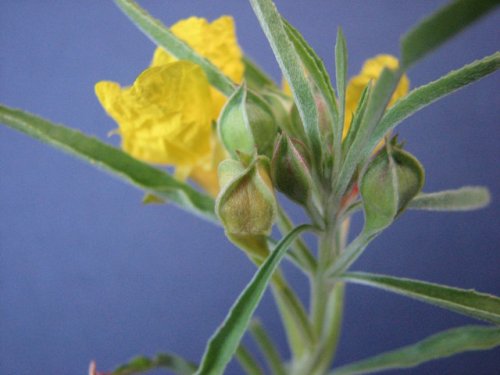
pixel 166 117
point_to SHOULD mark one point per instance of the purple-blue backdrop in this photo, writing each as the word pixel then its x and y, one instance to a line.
pixel 88 272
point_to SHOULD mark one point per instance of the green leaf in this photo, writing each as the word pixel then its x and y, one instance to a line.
pixel 267 347
pixel 292 68
pixel 464 199
pixel 356 120
pixel 164 38
pixel 378 100
pixel 433 91
pixel 435 30
pixel 467 302
pixel 165 360
pixel 247 361
pixel 255 77
pixel 341 76
pixel 226 339
pixel 113 160
pixel 352 252
pixel 318 73
pixel 440 345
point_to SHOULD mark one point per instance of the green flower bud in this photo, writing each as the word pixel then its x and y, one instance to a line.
pixel 290 170
pixel 390 182
pixel 246 205
pixel 247 124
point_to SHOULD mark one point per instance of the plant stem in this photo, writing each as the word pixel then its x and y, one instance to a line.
pixel 326 351
pixel 267 348
pixel 327 298
pixel 298 328
pixel 247 361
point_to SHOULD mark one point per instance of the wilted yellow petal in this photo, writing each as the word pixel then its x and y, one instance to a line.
pixel 371 71
pixel 164 117
pixel 286 87
pixel 215 41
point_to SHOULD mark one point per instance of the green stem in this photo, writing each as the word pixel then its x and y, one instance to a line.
pixel 267 348
pixel 298 328
pixel 322 285
pixel 327 350
pixel 247 361
pixel 327 302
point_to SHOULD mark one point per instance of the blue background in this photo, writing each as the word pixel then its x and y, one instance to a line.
pixel 88 272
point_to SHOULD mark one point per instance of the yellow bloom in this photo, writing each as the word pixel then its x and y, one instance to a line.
pixel 216 42
pixel 166 116
pixel 371 71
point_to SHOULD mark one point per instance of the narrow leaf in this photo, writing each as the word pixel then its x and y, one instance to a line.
pixel 226 339
pixel 113 160
pixel 356 120
pixel 440 345
pixel 165 360
pixel 247 361
pixel 268 348
pixel 292 68
pixel 435 30
pixel 341 74
pixel 377 102
pixel 164 38
pixel 463 199
pixel 467 302
pixel 315 67
pixel 351 253
pixel 433 91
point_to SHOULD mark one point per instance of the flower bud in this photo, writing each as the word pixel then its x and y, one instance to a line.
pixel 246 204
pixel 290 169
pixel 247 124
pixel 390 182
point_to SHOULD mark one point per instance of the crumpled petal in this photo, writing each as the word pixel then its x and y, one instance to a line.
pixel 215 41
pixel 165 116
pixel 371 71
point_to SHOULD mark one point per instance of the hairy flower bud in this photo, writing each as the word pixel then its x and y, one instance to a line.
pixel 246 124
pixel 246 204
pixel 390 182
pixel 290 169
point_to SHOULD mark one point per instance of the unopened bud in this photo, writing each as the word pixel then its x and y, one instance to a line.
pixel 246 204
pixel 247 124
pixel 290 169
pixel 390 182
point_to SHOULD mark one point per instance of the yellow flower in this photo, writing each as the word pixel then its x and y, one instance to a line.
pixel 371 71
pixel 216 42
pixel 166 116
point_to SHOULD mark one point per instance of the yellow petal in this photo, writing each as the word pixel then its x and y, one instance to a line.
pixel 164 117
pixel 370 72
pixel 215 41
